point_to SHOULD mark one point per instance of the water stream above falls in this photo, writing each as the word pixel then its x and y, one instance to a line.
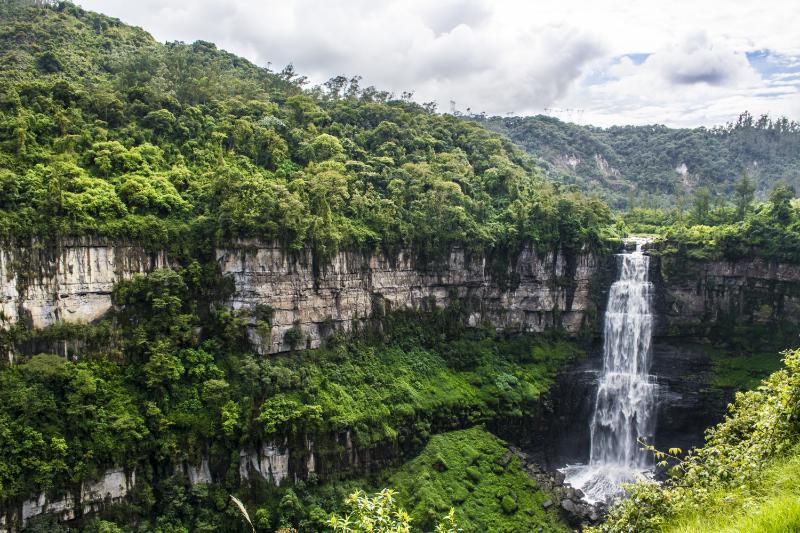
pixel 624 407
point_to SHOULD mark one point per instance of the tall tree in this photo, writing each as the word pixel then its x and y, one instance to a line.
pixel 780 198
pixel 745 193
pixel 701 205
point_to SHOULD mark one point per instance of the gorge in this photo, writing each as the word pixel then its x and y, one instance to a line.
pixel 553 291
pixel 234 301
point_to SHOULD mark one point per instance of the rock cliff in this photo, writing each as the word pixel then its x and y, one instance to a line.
pixel 111 487
pixel 546 290
pixel 69 280
pixel 694 296
pixel 72 281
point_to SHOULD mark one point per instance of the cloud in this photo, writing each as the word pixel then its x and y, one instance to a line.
pixel 445 15
pixel 617 60
pixel 696 60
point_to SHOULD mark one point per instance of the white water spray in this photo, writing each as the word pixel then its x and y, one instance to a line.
pixel 623 410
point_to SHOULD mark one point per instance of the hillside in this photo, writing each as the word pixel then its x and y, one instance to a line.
pixel 105 131
pixel 657 166
pixel 133 381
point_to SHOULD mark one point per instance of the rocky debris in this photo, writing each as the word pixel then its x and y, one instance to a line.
pixel 576 511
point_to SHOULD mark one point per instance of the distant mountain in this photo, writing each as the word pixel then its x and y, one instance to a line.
pixel 656 165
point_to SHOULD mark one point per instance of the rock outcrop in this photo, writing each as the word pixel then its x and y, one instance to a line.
pixel 112 487
pixel 548 290
pixel 70 280
pixel 569 501
pixel 695 296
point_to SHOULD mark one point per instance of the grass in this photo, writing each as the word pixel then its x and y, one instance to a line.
pixel 770 506
pixel 743 372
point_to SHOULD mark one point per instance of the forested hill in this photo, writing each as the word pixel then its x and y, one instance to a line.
pixel 104 131
pixel 657 166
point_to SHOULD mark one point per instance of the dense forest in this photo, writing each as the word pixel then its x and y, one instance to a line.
pixel 105 131
pixel 657 166
pixel 107 134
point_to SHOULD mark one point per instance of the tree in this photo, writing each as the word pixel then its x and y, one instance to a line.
pixel 780 199
pixel 701 205
pixel 380 513
pixel 745 192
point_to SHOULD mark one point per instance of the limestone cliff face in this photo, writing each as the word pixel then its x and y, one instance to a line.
pixel 41 284
pixel 111 487
pixel 693 296
pixel 550 290
pixel 71 280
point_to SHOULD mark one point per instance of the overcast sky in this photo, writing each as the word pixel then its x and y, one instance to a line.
pixel 602 62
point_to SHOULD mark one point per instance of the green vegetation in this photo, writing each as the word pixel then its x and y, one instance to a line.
pixel 380 513
pixel 170 376
pixel 742 371
pixel 741 230
pixel 641 166
pixel 103 131
pixel 744 479
pixel 473 472
pixel 469 473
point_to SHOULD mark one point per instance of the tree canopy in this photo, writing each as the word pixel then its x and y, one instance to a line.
pixel 105 131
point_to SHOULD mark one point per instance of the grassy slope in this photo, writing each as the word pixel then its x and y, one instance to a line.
pixel 770 506
pixel 472 471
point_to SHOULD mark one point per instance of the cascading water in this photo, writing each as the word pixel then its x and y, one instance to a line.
pixel 625 401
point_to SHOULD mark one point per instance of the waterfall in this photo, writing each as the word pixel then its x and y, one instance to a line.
pixel 623 410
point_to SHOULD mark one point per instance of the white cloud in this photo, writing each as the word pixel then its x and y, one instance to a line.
pixel 691 81
pixel 510 55
pixel 696 60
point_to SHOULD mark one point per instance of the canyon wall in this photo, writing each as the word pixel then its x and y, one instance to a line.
pixel 68 280
pixel 72 281
pixel 546 290
pixel 110 487
pixel 694 296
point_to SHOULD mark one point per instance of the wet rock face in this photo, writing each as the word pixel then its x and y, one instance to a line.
pixel 686 404
pixel 694 297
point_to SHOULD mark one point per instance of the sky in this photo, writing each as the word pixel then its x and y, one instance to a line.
pixel 601 62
